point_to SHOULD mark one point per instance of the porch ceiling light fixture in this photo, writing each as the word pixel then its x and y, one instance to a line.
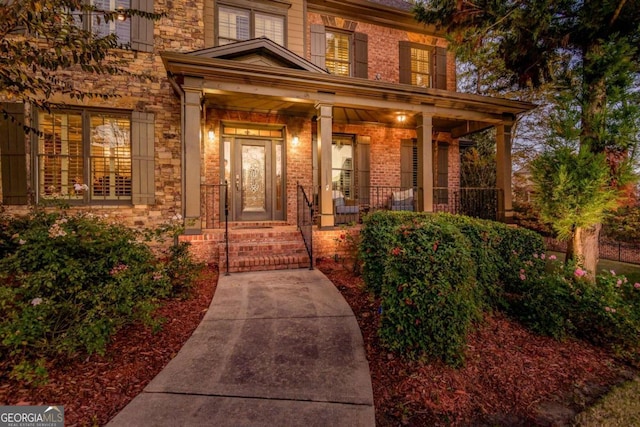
pixel 401 118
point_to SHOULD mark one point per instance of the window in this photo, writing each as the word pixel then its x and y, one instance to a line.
pixel 338 55
pixel 423 66
pixel 340 52
pixel 409 168
pixel 342 167
pixel 236 24
pixel 137 31
pixel 84 156
pixel 121 28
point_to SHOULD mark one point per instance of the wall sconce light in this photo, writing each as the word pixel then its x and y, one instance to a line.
pixel 295 141
pixel 211 134
pixel 121 15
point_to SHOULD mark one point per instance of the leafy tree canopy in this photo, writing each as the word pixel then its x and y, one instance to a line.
pixel 42 40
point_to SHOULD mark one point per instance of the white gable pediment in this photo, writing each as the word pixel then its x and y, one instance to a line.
pixel 261 51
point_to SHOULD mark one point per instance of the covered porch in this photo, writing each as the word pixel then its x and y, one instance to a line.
pixel 258 120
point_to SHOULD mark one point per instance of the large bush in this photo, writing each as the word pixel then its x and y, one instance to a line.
pixel 435 272
pixel 69 282
pixel 562 302
pixel 428 300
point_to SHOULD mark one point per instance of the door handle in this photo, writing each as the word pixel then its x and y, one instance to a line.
pixel 237 182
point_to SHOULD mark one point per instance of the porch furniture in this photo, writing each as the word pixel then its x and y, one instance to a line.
pixel 402 200
pixel 344 210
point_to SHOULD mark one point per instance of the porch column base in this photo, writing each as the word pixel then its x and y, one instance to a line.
pixel 327 221
pixel 192 226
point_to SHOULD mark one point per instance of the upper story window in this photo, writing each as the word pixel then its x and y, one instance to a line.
pixel 136 31
pixel 340 52
pixel 423 66
pixel 122 28
pixel 236 24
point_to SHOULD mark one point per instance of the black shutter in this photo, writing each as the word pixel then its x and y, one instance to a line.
pixel 405 62
pixel 363 167
pixel 13 155
pixel 440 68
pixel 361 68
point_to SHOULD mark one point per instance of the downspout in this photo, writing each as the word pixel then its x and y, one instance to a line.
pixel 183 187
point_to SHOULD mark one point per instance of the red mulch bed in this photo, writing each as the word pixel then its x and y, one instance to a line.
pixel 95 389
pixel 511 376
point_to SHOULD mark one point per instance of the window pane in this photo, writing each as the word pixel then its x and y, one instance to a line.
pixel 342 166
pixel 110 157
pixel 271 27
pixel 121 28
pixel 60 157
pixel 338 58
pixel 421 67
pixel 233 25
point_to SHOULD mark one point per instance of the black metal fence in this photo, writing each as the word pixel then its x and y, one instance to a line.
pixel 609 249
pixel 214 199
pixel 485 203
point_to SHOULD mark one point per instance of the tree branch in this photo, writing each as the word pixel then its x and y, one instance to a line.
pixel 616 14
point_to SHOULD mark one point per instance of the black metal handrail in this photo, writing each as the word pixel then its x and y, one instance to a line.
pixel 226 225
pixel 305 222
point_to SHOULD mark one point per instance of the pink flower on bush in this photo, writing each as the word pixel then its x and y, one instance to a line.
pixel 535 255
pixel 618 283
pixel 553 257
pixel 543 256
pixel 579 272
pixel 636 285
pixel 613 273
pixel 396 251
pixel 607 309
pixel 522 276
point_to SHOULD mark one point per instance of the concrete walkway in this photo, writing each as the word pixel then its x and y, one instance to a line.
pixel 276 348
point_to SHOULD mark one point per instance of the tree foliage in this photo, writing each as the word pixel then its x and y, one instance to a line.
pixel 478 162
pixel 42 42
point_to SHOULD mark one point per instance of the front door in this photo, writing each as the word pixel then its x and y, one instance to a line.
pixel 253 186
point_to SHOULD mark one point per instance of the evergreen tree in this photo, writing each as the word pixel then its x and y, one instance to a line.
pixel 591 44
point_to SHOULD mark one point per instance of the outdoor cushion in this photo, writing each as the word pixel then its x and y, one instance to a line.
pixel 402 200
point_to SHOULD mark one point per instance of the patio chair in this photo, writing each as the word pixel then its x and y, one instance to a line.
pixel 345 211
pixel 402 200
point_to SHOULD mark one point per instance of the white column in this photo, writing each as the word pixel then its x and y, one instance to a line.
pixel 191 132
pixel 325 199
pixel 424 132
pixel 503 170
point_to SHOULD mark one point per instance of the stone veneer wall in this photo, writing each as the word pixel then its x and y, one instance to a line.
pixel 181 30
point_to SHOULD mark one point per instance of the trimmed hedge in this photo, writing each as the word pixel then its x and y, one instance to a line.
pixel 428 300
pixel 437 272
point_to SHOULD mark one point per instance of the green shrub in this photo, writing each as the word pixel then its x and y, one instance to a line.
pixel 377 236
pixel 428 301
pixel 69 282
pixel 561 303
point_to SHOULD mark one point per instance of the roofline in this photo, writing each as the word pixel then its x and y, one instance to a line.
pixel 246 46
pixel 363 10
pixel 181 64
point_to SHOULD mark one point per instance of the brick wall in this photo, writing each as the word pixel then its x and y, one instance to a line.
pixel 384 52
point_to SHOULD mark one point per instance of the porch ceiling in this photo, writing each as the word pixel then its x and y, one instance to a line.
pixel 341 114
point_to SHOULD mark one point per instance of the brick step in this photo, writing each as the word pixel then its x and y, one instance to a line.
pixel 262 263
pixel 263 248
